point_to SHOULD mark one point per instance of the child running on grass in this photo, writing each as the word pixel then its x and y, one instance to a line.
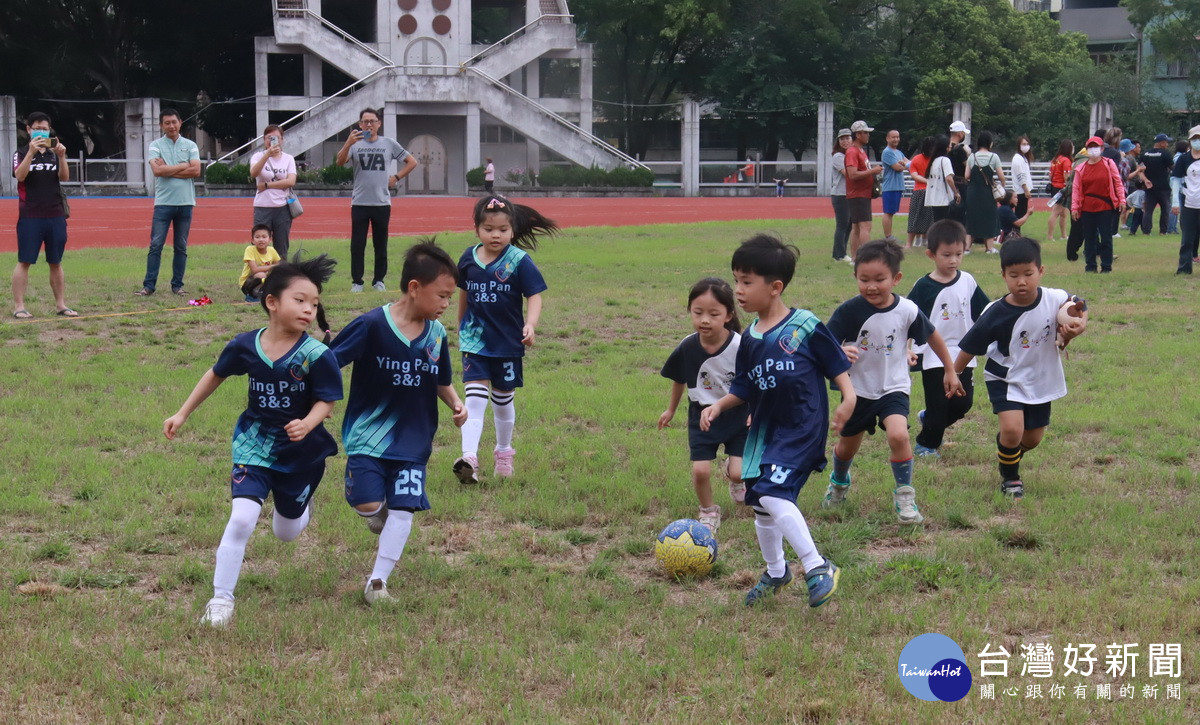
pixel 401 368
pixel 1024 371
pixel 279 442
pixel 703 364
pixel 257 261
pixel 495 276
pixel 783 363
pixel 952 301
pixel 874 328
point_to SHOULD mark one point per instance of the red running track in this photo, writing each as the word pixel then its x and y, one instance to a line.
pixel 125 221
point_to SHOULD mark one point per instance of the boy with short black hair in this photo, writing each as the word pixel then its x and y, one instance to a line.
pixel 952 300
pixel 401 367
pixel 1024 372
pixel 257 260
pixel 874 329
pixel 785 358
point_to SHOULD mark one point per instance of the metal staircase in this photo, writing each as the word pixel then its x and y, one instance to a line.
pixel 477 80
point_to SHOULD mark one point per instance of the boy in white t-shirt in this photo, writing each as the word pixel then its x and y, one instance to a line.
pixel 1024 372
pixel 874 329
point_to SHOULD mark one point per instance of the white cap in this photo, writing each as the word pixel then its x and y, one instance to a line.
pixel 1194 131
pixel 959 127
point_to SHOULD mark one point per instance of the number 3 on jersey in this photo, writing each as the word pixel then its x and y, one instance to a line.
pixel 409 482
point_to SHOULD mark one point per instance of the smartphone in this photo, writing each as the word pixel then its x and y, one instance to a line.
pixel 52 143
pixel 273 140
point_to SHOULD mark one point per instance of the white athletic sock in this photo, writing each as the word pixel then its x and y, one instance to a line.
pixel 791 522
pixel 477 399
pixel 232 550
pixel 288 529
pixel 504 413
pixel 391 543
pixel 770 542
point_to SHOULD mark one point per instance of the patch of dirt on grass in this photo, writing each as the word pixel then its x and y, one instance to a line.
pixel 61 334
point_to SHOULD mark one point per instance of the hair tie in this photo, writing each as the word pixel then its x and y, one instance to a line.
pixel 493 203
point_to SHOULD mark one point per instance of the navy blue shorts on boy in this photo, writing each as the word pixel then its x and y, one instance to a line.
pixel 401 484
pixel 292 490
pixel 729 430
pixel 781 482
pixel 891 201
pixel 869 413
pixel 504 373
pixel 32 233
pixel 1037 415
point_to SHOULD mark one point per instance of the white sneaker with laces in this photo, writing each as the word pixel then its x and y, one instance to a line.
pixel 218 612
pixel 376 591
pixel 356 288
pixel 378 287
pixel 711 517
pixel 905 501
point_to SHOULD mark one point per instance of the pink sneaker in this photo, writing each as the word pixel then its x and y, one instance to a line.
pixel 504 462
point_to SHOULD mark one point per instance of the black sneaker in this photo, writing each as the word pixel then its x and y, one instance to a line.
pixel 1012 489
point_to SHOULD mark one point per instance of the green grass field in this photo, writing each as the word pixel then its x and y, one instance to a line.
pixel 538 599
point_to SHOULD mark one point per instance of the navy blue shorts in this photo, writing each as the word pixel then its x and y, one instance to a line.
pixel 891 201
pixel 868 413
pixel 729 430
pixel 33 233
pixel 780 482
pixel 504 373
pixel 400 483
pixel 1037 415
pixel 293 490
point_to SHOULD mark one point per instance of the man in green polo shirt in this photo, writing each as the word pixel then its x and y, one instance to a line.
pixel 175 162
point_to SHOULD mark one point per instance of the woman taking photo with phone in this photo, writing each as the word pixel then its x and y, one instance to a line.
pixel 274 174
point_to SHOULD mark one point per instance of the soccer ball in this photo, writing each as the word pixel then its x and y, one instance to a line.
pixel 686 548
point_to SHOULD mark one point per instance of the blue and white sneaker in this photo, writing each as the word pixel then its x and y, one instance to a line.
pixel 905 501
pixel 925 452
pixel 835 494
pixel 822 582
pixel 768 586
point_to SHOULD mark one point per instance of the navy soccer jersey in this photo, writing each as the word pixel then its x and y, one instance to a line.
pixel 280 392
pixel 881 336
pixel 1021 347
pixel 391 412
pixel 495 319
pixel 782 374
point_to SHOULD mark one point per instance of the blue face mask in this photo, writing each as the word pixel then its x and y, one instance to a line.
pixel 1196 144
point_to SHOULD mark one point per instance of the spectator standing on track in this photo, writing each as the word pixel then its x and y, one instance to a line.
pixel 837 196
pixel 894 165
pixel 274 174
pixel 859 179
pixel 369 154
pixel 489 176
pixel 175 163
pixel 39 169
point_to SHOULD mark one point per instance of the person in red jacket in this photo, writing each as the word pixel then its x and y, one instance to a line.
pixel 1097 198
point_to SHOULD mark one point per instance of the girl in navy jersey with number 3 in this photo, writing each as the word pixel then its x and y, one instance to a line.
pixel 279 442
pixel 495 276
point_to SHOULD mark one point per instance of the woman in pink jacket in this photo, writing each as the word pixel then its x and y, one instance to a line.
pixel 1097 198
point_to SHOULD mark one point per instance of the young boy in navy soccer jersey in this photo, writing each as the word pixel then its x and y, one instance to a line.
pixel 401 368
pixel 874 329
pixel 952 301
pixel 1024 372
pixel 785 358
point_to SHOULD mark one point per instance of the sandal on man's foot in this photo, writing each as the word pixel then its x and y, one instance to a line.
pixel 67 312
pixel 22 315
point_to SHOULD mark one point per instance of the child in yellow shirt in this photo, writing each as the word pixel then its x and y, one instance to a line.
pixel 257 261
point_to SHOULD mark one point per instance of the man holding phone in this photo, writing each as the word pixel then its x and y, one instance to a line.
pixel 274 174
pixel 370 156
pixel 175 162
pixel 40 168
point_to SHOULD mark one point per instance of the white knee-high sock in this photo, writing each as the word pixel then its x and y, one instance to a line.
pixel 288 529
pixel 232 550
pixel 770 542
pixel 391 543
pixel 791 522
pixel 477 399
pixel 504 413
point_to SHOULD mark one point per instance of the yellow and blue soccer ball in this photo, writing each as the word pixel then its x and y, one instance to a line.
pixel 686 548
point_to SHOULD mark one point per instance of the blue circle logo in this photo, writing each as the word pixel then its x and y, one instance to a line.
pixel 933 667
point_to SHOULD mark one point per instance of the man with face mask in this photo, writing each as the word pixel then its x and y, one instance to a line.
pixel 1186 177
